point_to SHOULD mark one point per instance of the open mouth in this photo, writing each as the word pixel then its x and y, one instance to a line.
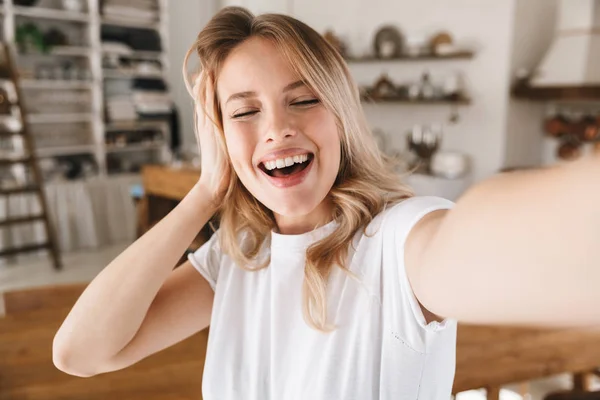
pixel 299 165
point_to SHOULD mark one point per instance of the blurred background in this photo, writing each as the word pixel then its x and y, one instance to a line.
pixel 97 144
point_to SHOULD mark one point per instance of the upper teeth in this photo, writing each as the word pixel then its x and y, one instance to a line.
pixel 285 162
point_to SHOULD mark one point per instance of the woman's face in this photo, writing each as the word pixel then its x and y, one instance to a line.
pixel 283 143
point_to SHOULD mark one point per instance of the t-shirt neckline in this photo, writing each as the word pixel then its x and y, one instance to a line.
pixel 301 241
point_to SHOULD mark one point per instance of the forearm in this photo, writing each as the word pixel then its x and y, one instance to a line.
pixel 520 248
pixel 112 308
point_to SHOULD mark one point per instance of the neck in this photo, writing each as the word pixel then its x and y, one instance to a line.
pixel 299 224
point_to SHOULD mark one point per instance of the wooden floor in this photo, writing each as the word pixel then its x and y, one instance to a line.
pixel 485 355
pixel 27 372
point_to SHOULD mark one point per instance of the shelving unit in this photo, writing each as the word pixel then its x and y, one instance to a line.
pixel 89 52
pixel 65 150
pixel 462 55
pixel 130 24
pixel 134 148
pixel 401 100
pixel 54 84
pixel 49 13
pixel 59 118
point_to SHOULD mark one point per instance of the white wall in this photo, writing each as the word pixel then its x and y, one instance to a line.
pixel 485 24
pixel 495 130
pixel 186 19
pixel 533 32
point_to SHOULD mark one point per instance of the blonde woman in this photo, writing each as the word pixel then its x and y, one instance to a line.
pixel 327 278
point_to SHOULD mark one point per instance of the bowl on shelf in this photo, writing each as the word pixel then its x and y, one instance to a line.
pixel 73 5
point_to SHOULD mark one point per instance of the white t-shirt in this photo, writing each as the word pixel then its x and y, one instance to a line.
pixel 260 347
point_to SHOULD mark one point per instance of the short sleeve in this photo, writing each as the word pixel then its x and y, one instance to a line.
pixel 207 259
pixel 400 220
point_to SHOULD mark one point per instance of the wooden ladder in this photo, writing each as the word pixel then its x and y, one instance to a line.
pixel 8 79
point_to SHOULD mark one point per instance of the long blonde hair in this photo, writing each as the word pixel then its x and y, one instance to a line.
pixel 366 181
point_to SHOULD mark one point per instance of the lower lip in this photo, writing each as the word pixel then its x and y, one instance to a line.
pixel 290 180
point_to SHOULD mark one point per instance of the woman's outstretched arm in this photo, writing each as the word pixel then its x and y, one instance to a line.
pixel 521 247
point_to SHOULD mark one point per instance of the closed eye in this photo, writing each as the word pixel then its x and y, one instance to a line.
pixel 303 103
pixel 306 102
pixel 243 114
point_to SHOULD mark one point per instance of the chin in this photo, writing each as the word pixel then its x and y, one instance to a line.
pixel 293 207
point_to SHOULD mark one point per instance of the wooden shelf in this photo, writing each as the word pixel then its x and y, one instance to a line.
pixel 135 147
pixel 131 24
pixel 463 55
pixel 63 51
pixel 564 93
pixel 50 13
pixel 59 118
pixel 6 133
pixel 54 84
pixel 23 249
pixel 146 55
pixel 65 150
pixel 11 161
pixel 134 125
pixel 22 220
pixel 78 51
pixel 402 100
pixel 108 74
pixel 19 190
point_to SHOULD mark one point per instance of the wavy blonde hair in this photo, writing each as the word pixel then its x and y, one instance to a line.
pixel 366 181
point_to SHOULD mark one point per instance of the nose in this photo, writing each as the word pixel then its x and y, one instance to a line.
pixel 280 127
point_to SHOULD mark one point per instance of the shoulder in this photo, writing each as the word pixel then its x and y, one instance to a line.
pixel 410 215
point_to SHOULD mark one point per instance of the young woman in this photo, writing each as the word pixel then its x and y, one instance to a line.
pixel 327 278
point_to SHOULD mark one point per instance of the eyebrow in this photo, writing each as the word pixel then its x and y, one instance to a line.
pixel 249 94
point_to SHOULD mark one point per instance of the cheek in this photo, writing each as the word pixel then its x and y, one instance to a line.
pixel 239 147
pixel 328 139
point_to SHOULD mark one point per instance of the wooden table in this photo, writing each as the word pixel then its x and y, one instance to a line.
pixel 164 187
pixel 486 356
pixel 168 182
pixel 495 356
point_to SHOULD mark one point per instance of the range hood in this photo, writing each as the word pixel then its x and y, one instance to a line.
pixel 573 58
pixel 570 69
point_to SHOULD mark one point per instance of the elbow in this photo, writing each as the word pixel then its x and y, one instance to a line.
pixel 64 360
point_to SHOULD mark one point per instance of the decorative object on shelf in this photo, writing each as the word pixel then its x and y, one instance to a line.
pixel 449 164
pixel 139 39
pixel 569 149
pixel 130 12
pixel 423 91
pixel 426 89
pixel 440 42
pixel 55 37
pixel 388 42
pixel 573 130
pixel 30 39
pixel 25 3
pixel 453 87
pixel 73 5
pixel 416 45
pixel 424 141
pixel 336 42
pixel 383 88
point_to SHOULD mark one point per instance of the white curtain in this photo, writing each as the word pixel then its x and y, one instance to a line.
pixel 85 214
